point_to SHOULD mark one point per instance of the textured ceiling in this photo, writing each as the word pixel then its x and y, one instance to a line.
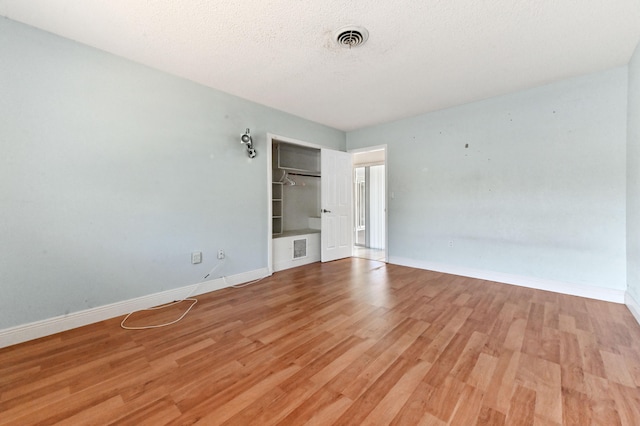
pixel 422 55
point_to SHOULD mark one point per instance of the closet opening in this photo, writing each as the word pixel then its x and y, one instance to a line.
pixel 295 204
pixel 310 203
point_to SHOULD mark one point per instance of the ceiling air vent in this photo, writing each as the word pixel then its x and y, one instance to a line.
pixel 351 36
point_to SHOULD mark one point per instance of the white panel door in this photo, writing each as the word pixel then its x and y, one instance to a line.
pixel 336 200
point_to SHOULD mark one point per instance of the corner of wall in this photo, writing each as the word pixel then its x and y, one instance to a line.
pixel 633 186
pixel 633 305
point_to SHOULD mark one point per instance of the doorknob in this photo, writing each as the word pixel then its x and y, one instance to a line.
pixel 326 211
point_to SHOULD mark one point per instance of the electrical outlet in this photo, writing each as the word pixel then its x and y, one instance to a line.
pixel 451 243
pixel 196 257
pixel 220 254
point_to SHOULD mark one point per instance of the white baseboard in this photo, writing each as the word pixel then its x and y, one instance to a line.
pixel 591 292
pixel 288 264
pixel 633 305
pixel 35 330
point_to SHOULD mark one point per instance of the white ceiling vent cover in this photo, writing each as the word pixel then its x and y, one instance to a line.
pixel 351 36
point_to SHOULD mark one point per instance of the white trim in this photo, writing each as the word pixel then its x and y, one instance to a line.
pixel 633 305
pixel 270 203
pixel 35 330
pixel 382 147
pixel 591 292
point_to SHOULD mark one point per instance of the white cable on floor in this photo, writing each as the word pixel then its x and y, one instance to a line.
pixel 146 327
pixel 245 284
pixel 188 298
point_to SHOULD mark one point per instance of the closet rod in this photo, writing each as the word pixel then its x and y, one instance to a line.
pixel 302 174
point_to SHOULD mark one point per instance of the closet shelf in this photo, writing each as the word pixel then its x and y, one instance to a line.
pixel 298 159
pixel 295 232
pixel 276 207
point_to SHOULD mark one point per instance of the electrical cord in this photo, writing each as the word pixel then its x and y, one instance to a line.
pixel 243 285
pixel 147 327
pixel 186 299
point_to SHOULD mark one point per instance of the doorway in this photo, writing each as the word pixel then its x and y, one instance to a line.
pixel 370 204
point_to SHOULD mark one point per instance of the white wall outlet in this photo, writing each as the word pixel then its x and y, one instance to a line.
pixel 220 254
pixel 450 243
pixel 196 257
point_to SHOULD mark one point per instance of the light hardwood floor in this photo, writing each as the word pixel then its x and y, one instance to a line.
pixel 350 342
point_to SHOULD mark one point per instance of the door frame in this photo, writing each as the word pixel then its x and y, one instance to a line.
pixel 386 191
pixel 270 139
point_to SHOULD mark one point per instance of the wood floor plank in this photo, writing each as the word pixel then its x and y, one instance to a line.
pixel 490 417
pixel 443 400
pixel 468 358
pixel 157 412
pixel 317 405
pixel 261 405
pixel 384 355
pixel 503 383
pixel 272 406
pixel 627 402
pixel 515 335
pixel 601 401
pixel 468 406
pixel 96 413
pixel 591 357
pixel 480 376
pixel 253 392
pixel 390 405
pixel 415 409
pixel 444 333
pixel 330 413
pixel 347 342
pixel 522 407
pixel 33 410
pixel 545 379
pixel 374 394
pixel 577 409
pixel 324 361
pixel 336 366
pixel 616 369
pixel 571 365
pixel 632 362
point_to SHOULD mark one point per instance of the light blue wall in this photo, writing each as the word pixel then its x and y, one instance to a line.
pixel 111 173
pixel 633 178
pixel 539 192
